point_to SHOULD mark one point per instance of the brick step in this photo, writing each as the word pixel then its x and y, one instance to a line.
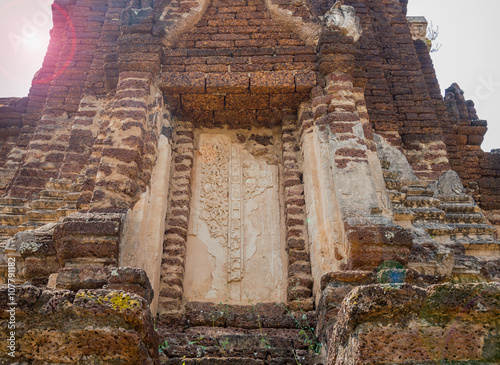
pixel 417 201
pixel 12 219
pixel 393 184
pixel 42 216
pixel 54 184
pixel 8 231
pixel 459 208
pixel 396 197
pixel 476 229
pixel 47 204
pixel 403 214
pixel 393 175
pixel 212 361
pixel 234 345
pixel 30 225
pixel 272 359
pixel 72 197
pixel 13 201
pixel 481 248
pixel 457 199
pixel 53 194
pixel 13 209
pixel 225 353
pixel 440 229
pixel 415 189
pixel 465 218
pixel 435 228
pixel 63 212
pixel 466 241
pixel 428 214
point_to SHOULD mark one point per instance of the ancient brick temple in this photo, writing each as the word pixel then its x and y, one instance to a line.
pixel 245 182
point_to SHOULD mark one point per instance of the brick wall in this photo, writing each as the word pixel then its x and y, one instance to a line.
pixel 237 65
pixel 398 100
pixel 489 183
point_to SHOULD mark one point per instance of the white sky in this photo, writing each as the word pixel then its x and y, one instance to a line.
pixel 468 31
pixel 469 55
pixel 24 37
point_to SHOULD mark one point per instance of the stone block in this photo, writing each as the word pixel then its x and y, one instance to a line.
pixel 230 82
pixel 86 277
pixel 180 82
pixel 235 118
pixel 38 269
pixel 370 246
pixel 288 101
pixel 130 279
pixel 87 238
pixel 347 277
pixel 475 139
pixel 101 326
pixel 272 82
pixel 404 324
pixel 305 81
pixel 247 101
pixel 202 101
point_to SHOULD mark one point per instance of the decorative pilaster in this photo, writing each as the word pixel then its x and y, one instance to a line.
pixel 299 263
pixel 347 227
pixel 176 226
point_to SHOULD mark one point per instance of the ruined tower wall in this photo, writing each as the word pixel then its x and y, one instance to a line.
pixel 397 97
pixel 217 153
pixel 463 133
pixel 396 92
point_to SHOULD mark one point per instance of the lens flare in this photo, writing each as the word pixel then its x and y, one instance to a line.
pixel 25 36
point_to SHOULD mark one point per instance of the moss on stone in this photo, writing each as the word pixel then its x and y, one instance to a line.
pixel 29 248
pixel 118 301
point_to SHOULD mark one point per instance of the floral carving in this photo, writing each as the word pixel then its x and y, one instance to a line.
pixel 256 180
pixel 227 182
pixel 214 189
pixel 235 244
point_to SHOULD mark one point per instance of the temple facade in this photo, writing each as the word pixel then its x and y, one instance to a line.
pixel 246 182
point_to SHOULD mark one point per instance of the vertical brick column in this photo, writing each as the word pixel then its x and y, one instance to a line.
pixel 346 225
pixel 489 186
pixel 378 97
pixel 120 144
pixel 103 75
pixel 299 262
pixel 127 141
pixel 337 118
pixel 400 98
pixel 420 128
pixel 176 227
pixel 81 139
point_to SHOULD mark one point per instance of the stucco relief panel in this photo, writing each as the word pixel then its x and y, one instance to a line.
pixel 235 247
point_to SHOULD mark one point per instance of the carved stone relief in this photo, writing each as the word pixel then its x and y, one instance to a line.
pixel 449 184
pixel 214 200
pixel 418 27
pixel 235 248
pixel 344 17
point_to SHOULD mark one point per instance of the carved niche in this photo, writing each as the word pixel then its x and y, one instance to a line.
pixel 235 246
